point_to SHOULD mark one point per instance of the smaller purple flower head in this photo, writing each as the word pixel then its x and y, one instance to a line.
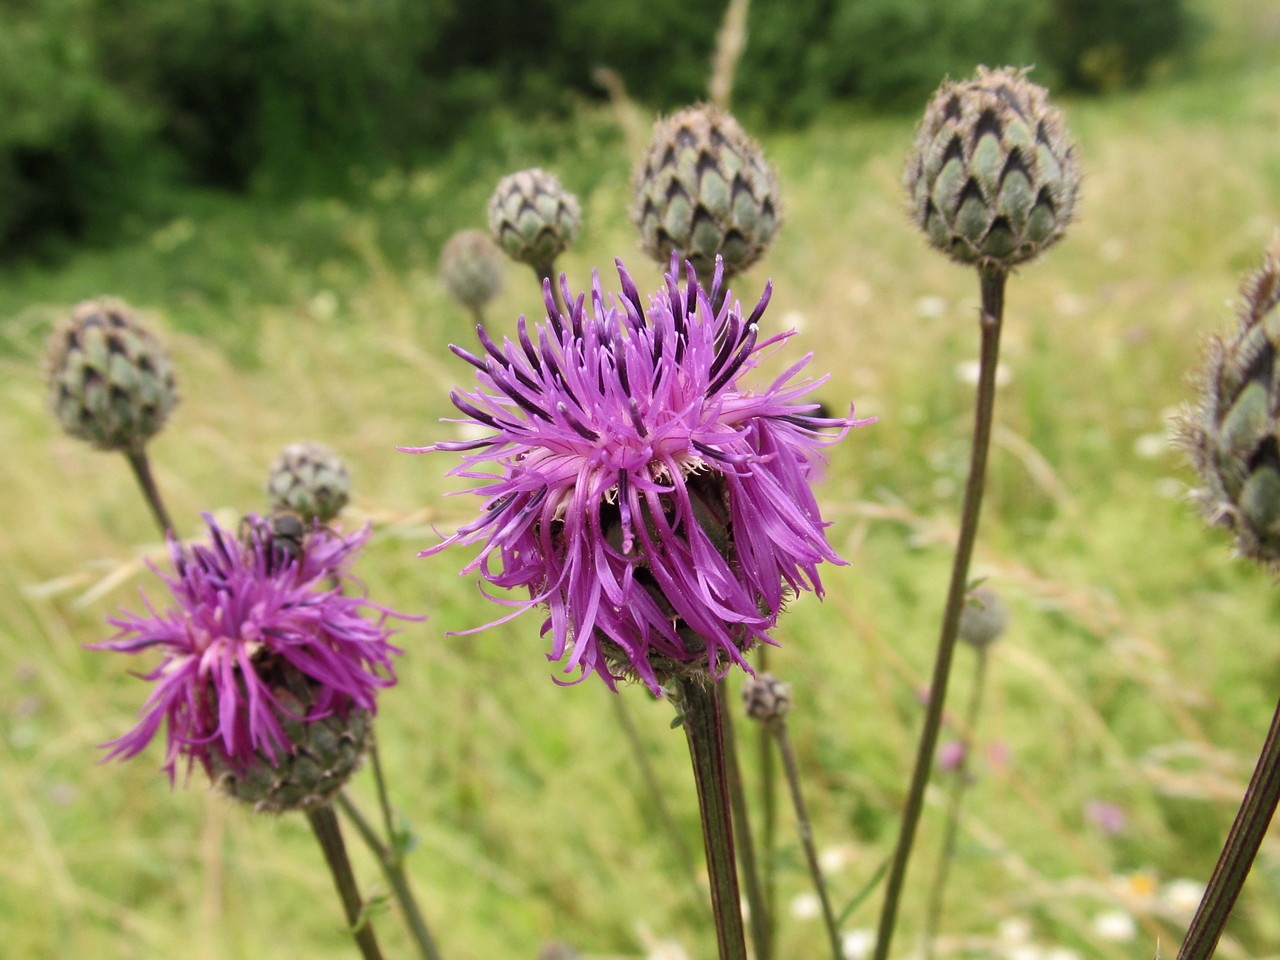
pixel 260 648
pixel 659 510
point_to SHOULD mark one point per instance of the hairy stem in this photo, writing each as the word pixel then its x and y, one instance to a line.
pixel 768 808
pixel 992 286
pixel 803 827
pixel 960 781
pixel 142 472
pixel 1236 859
pixel 761 919
pixel 706 749
pixel 392 863
pixel 329 834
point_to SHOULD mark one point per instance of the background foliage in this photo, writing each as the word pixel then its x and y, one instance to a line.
pixel 113 103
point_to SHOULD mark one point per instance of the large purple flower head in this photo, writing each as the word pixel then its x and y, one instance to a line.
pixel 261 647
pixel 660 511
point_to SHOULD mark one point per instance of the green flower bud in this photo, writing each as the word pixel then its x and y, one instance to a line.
pixel 311 480
pixel 533 218
pixel 110 381
pixel 983 617
pixel 704 190
pixel 325 752
pixel 1234 435
pixel 993 178
pixel 471 268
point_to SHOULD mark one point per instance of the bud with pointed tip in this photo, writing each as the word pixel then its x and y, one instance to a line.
pixel 993 178
pixel 1234 435
pixel 110 381
pixel 309 479
pixel 471 268
pixel 704 190
pixel 533 218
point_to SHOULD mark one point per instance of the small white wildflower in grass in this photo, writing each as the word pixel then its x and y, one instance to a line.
pixel 1014 930
pixel 857 944
pixel 835 859
pixel 794 320
pixel 806 906
pixel 1149 446
pixel 929 307
pixel 1182 896
pixel 1115 926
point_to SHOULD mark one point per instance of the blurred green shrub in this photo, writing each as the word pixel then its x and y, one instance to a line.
pixel 110 103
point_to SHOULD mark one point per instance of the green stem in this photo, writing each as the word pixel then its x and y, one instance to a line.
pixel 933 916
pixel 656 795
pixel 325 826
pixel 1236 860
pixel 392 864
pixel 992 286
pixel 779 727
pixel 142 471
pixel 761 919
pixel 706 749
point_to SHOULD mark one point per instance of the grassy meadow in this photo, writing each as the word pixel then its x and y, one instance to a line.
pixel 1140 667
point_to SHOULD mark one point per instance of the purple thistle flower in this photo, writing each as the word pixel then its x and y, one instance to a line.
pixel 659 511
pixel 254 632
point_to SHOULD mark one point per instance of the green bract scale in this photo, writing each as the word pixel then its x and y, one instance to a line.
pixel 1234 435
pixel 533 218
pixel 471 268
pixel 993 177
pixel 110 381
pixel 704 190
pixel 325 753
pixel 310 479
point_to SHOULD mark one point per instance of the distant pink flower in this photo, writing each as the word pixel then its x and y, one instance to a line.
pixel 238 609
pixel 1110 818
pixel 659 510
pixel 950 755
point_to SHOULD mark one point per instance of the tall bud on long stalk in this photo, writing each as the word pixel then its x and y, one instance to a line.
pixel 1234 434
pixel 110 381
pixel 533 218
pixel 993 178
pixel 705 190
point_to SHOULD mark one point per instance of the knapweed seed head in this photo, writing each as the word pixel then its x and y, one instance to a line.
pixel 993 177
pixel 533 218
pixel 1233 436
pixel 471 268
pixel 660 511
pixel 309 479
pixel 766 698
pixel 704 190
pixel 269 672
pixel 110 381
pixel 983 617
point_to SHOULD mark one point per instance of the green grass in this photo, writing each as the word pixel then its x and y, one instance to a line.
pixel 1140 667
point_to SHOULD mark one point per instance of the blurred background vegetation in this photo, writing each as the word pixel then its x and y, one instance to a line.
pixel 112 105
pixel 270 185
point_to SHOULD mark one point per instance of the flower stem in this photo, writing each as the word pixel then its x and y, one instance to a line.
pixel 779 728
pixel 142 471
pixel 687 863
pixel 392 863
pixel 325 826
pixel 933 916
pixel 992 285
pixel 1236 859
pixel 703 730
pixel 761 919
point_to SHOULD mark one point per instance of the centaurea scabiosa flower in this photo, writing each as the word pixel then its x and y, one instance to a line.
pixel 269 672
pixel 660 511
